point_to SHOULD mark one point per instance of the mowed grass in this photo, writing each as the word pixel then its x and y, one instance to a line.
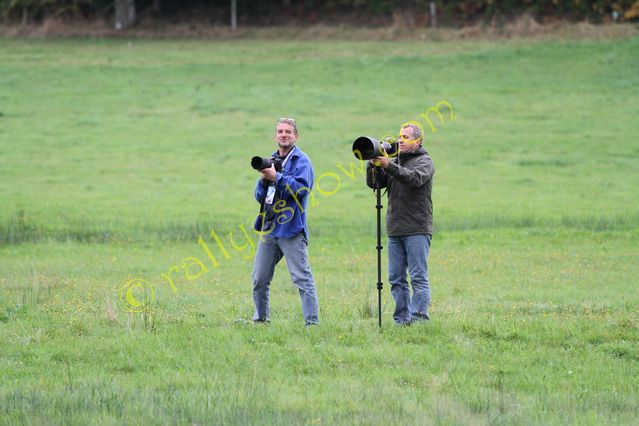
pixel 127 160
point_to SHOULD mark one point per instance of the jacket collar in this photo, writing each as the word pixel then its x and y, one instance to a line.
pixel 419 151
pixel 293 152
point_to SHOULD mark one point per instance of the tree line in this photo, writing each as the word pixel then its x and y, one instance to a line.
pixel 276 12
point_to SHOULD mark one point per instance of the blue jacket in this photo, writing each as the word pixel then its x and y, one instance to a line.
pixel 292 187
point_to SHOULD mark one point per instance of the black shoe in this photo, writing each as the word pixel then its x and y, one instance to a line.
pixel 420 317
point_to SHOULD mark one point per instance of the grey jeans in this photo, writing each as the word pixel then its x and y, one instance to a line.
pixel 270 251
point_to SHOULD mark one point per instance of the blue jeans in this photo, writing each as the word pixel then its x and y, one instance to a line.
pixel 409 253
pixel 270 251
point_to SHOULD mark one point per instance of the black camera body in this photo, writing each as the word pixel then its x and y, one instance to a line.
pixel 367 148
pixel 261 163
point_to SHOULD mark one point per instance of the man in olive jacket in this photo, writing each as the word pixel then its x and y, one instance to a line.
pixel 409 222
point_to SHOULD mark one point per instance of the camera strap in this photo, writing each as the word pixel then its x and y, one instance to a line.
pixel 287 157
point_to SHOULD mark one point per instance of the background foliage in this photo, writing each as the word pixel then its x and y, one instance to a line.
pixel 354 11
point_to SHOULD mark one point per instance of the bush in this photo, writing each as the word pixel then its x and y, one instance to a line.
pixel 269 11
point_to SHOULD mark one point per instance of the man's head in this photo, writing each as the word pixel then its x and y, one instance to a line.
pixel 410 138
pixel 286 134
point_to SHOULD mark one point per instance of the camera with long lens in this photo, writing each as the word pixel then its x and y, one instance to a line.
pixel 261 163
pixel 367 148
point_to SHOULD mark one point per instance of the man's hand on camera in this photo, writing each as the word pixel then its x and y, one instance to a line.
pixel 380 162
pixel 269 174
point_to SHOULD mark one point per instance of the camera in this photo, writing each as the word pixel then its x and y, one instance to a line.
pixel 261 163
pixel 367 148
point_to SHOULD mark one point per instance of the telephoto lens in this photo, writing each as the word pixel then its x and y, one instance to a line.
pixel 367 148
pixel 261 163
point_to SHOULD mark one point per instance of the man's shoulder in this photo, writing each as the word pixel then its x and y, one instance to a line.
pixel 298 153
pixel 423 155
pixel 420 159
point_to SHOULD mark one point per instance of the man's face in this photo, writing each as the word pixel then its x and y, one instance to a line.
pixel 407 141
pixel 285 136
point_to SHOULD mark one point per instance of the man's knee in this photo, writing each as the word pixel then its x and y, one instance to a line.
pixel 400 286
pixel 260 280
pixel 304 282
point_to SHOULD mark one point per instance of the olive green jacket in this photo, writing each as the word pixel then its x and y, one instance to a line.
pixel 409 179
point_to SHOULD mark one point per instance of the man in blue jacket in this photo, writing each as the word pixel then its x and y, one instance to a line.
pixel 283 196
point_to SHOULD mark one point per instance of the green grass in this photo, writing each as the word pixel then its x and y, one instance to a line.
pixel 117 155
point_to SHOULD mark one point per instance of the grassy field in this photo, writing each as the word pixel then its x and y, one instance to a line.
pixel 121 160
